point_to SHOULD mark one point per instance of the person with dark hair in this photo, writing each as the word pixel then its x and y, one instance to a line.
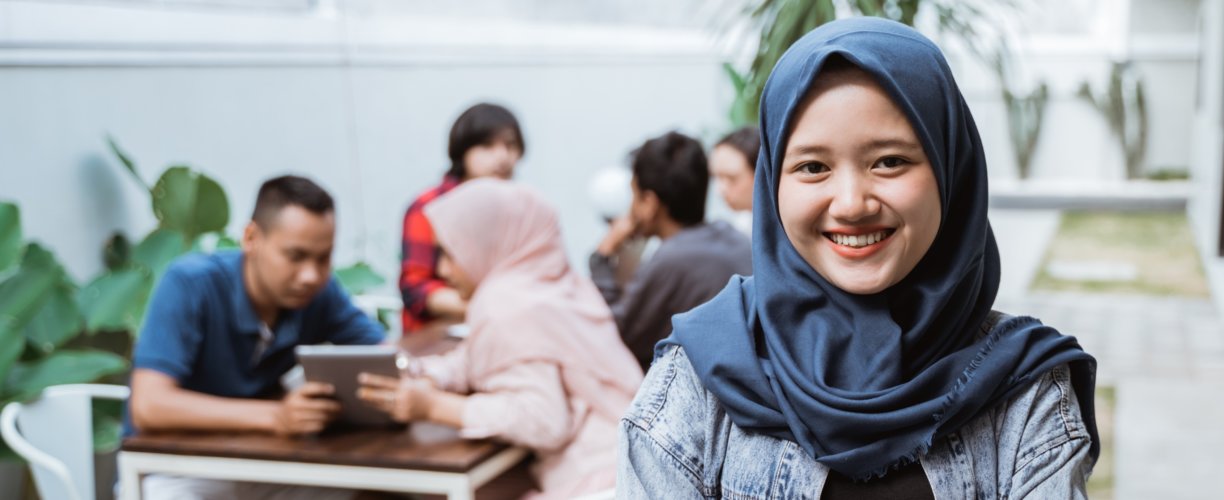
pixel 221 329
pixel 864 358
pixel 733 165
pixel 485 141
pixel 694 259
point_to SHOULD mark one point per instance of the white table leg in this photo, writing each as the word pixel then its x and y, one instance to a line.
pixel 129 479
pixel 461 492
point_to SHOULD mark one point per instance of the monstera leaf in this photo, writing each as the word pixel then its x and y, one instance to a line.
pixel 116 300
pixel 62 367
pixel 22 296
pixel 189 202
pixel 158 249
pixel 57 321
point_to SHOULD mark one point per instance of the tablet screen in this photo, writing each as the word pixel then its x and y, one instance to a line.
pixel 339 365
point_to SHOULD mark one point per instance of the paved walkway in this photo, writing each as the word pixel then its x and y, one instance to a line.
pixel 1165 357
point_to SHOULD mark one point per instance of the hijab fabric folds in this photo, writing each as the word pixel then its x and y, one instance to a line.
pixel 865 383
pixel 529 305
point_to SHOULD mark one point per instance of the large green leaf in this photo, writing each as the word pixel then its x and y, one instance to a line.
pixel 22 296
pixel 358 278
pixel 26 380
pixel 57 322
pixel 10 235
pixel 126 161
pixel 159 248
pixel 116 300
pixel 189 202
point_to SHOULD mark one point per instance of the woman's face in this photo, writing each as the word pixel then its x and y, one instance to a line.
pixel 856 194
pixel 733 176
pixel 455 277
pixel 495 158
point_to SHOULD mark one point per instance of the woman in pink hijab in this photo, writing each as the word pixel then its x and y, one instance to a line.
pixel 543 366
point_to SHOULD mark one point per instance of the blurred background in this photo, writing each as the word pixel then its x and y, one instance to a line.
pixel 134 130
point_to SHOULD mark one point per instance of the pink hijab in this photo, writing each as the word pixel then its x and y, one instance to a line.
pixel 529 305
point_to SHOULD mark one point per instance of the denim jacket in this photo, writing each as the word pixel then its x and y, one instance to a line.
pixel 677 442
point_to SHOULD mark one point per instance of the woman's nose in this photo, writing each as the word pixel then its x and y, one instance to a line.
pixel 852 198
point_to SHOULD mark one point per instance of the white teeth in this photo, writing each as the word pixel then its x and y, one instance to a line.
pixel 859 241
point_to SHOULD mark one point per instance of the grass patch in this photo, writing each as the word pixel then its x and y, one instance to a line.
pixel 1101 483
pixel 1159 245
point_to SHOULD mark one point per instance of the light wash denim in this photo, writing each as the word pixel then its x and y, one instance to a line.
pixel 677 442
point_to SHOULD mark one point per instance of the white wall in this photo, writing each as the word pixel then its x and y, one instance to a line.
pixel 1076 143
pixel 363 105
pixel 360 94
pixel 1208 149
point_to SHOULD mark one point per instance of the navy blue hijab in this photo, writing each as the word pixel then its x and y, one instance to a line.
pixel 865 383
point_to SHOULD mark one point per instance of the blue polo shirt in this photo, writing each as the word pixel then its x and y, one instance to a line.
pixel 201 330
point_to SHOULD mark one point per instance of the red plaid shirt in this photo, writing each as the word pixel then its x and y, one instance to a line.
pixel 419 265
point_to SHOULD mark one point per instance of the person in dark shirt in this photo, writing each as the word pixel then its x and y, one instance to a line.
pixel 220 332
pixel 694 259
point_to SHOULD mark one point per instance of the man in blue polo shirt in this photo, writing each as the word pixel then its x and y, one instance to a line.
pixel 220 332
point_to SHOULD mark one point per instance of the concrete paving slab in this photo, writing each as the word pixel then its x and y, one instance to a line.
pixel 1169 439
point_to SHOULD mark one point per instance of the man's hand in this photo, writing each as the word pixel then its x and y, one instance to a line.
pixel 306 410
pixel 621 230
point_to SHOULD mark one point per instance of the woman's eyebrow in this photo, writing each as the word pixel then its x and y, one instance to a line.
pixel 873 145
pixel 806 150
pixel 890 143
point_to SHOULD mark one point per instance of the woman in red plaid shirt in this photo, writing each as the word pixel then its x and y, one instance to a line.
pixel 485 141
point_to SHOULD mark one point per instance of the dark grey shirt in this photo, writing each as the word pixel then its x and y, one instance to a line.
pixel 688 269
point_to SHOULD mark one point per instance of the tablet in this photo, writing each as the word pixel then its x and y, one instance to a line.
pixel 339 366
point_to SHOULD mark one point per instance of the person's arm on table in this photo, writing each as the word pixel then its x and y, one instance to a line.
pixel 525 405
pixel 411 398
pixel 158 403
pixel 446 302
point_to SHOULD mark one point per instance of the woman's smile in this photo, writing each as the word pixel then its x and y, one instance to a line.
pixel 858 243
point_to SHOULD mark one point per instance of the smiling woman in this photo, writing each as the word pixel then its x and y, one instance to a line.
pixel 857 196
pixel 863 358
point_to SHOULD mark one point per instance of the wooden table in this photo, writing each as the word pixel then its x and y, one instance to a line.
pixel 425 458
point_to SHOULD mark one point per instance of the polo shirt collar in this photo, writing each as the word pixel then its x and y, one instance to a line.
pixel 244 320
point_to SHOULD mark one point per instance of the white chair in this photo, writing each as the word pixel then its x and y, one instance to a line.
pixel 54 433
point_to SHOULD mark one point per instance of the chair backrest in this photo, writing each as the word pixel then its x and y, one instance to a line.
pixel 54 433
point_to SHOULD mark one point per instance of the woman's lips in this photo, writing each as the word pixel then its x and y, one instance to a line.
pixel 858 243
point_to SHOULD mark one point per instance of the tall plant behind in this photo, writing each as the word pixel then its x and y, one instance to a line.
pixel 53 332
pixel 42 328
pixel 1125 108
pixel 1025 116
pixel 782 22
pixel 189 206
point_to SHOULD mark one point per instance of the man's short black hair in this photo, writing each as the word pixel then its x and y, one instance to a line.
pixel 746 140
pixel 278 193
pixel 480 124
pixel 673 167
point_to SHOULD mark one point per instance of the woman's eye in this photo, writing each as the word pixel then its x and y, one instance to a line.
pixel 892 162
pixel 813 168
